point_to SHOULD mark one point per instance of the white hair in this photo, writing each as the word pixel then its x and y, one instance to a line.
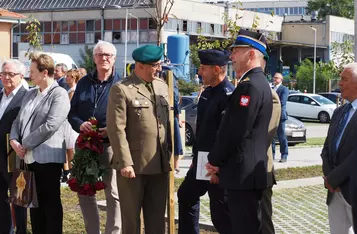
pixel 19 66
pixel 352 67
pixel 105 44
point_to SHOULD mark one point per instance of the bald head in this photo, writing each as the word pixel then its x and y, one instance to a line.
pixel 278 78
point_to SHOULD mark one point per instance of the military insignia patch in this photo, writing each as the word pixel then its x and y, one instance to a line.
pixel 244 100
pixel 246 79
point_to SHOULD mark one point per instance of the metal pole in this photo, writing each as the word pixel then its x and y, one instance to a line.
pixel 102 23
pixel 137 33
pixel 355 37
pixel 126 40
pixel 314 77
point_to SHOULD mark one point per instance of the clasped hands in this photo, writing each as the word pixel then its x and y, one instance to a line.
pixel 329 187
pixel 212 171
pixel 87 127
pixel 18 148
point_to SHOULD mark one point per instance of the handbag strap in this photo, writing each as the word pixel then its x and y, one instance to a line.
pixel 35 108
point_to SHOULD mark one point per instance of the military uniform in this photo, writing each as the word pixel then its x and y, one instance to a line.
pixel 211 105
pixel 266 206
pixel 240 149
pixel 139 132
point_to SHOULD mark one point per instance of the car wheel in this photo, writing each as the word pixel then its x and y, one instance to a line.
pixel 324 117
pixel 188 134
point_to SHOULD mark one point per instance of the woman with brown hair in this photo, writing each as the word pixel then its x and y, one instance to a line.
pixel 37 136
pixel 72 78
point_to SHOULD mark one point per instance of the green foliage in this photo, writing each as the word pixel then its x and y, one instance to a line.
pixel 343 54
pixel 86 167
pixel 87 60
pixel 33 28
pixel 186 88
pixel 343 8
pixel 304 75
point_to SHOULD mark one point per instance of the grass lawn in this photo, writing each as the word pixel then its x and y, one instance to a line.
pixel 314 141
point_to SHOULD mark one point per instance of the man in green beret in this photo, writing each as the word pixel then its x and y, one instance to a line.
pixel 139 132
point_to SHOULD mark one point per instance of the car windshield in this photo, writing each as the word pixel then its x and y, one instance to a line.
pixel 322 100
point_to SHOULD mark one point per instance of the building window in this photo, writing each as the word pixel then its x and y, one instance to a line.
pixel 64 38
pixel 144 24
pixel 90 38
pixel 184 25
pixel 152 24
pixel 199 27
pixel 90 25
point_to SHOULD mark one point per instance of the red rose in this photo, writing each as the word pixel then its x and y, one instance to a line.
pixel 99 185
pixel 73 185
pixel 87 190
pixel 93 121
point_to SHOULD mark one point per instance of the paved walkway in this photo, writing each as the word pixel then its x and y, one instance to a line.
pixel 298 157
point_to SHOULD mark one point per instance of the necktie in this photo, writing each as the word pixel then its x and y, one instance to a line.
pixel 341 127
pixel 149 87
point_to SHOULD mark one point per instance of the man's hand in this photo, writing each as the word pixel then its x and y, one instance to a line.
pixel 180 122
pixel 86 127
pixel 328 186
pixel 18 148
pixel 103 132
pixel 214 179
pixel 128 172
pixel 211 169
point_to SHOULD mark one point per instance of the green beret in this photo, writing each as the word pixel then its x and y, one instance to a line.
pixel 148 54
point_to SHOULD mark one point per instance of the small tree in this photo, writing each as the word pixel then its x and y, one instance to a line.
pixel 161 15
pixel 342 54
pixel 33 27
pixel 87 60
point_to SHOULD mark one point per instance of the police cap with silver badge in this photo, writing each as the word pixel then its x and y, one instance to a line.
pixel 214 57
pixel 255 40
pixel 148 54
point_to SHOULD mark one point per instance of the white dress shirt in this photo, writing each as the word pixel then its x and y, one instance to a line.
pixel 5 100
pixel 28 113
pixel 277 86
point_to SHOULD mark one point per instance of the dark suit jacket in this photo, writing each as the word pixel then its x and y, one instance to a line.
pixel 5 124
pixel 63 83
pixel 283 94
pixel 241 145
pixel 336 166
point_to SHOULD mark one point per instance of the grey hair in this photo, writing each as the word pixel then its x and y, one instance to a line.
pixel 352 67
pixel 63 66
pixel 19 66
pixel 104 44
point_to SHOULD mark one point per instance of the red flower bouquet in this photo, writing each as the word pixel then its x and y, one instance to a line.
pixel 87 172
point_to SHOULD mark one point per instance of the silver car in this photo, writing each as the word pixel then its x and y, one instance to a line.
pixel 294 129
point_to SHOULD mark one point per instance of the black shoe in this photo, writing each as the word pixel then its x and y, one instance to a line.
pixel 283 160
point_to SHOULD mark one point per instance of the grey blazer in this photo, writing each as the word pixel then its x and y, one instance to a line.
pixel 46 138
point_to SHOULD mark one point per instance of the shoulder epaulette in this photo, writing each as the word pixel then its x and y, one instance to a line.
pixel 246 79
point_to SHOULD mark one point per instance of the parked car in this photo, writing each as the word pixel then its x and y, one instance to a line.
pixel 294 91
pixel 310 106
pixel 185 100
pixel 332 96
pixel 295 129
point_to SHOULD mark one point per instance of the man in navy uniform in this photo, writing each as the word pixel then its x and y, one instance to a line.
pixel 211 105
pixel 283 93
pixel 239 153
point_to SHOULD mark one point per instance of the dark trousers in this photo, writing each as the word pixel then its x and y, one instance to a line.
pixel 283 141
pixel 245 211
pixel 48 217
pixel 189 195
pixel 5 212
pixel 267 212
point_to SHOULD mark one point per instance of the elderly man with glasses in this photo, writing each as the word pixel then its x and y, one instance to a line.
pixel 90 100
pixel 11 96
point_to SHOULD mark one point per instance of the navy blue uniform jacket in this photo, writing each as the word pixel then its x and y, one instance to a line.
pixel 210 107
pixel 241 145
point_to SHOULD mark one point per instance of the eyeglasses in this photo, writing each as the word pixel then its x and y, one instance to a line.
pixel 104 55
pixel 155 65
pixel 9 74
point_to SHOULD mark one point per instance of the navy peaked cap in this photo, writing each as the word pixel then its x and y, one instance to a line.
pixel 214 57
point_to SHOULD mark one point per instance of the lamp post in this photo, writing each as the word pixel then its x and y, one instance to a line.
pixel 137 29
pixel 314 77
